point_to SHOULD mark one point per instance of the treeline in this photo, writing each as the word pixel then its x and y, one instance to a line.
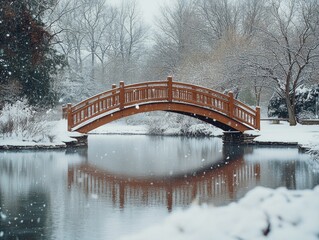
pixel 254 48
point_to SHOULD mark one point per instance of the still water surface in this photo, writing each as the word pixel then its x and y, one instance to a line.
pixel 122 184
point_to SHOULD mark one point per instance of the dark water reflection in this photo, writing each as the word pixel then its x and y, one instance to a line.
pixel 123 184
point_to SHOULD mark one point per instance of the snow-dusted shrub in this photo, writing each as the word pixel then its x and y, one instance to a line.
pixel 314 161
pixel 156 127
pixel 306 103
pixel 200 130
pixel 138 119
pixel 19 120
pixel 178 125
pixel 306 115
pixel 277 107
pixel 6 127
pixel 167 123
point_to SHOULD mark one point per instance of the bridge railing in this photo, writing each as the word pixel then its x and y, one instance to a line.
pixel 123 96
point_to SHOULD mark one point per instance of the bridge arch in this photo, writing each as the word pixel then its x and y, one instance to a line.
pixel 205 104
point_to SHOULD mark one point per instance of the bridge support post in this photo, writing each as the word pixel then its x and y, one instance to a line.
pixel 231 104
pixel 69 115
pixel 237 138
pixel 258 117
pixel 113 102
pixel 170 88
pixel 122 96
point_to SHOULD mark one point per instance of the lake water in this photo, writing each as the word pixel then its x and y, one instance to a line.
pixel 123 184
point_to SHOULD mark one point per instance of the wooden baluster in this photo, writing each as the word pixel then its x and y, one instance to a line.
pixel 69 114
pixel 194 95
pixel 97 106
pixel 85 112
pixel 258 117
pixel 122 96
pixel 170 89
pixel 231 104
pixel 113 95
pixel 142 94
pixel 146 91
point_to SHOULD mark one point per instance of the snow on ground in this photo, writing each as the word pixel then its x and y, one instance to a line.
pixel 305 135
pixel 262 214
pixel 56 129
pixel 121 127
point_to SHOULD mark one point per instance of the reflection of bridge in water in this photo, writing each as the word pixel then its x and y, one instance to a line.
pixel 224 181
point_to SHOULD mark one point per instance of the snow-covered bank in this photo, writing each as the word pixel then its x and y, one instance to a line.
pixel 56 129
pixel 262 214
pixel 121 127
pixel 305 135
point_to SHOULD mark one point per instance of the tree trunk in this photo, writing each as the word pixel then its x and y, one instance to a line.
pixel 257 95
pixel 291 111
pixel 92 64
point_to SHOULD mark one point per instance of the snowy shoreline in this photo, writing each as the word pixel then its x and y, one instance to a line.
pixel 304 136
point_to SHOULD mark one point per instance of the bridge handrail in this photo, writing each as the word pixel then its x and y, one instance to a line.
pixel 220 95
pixel 192 86
pixel 114 93
pixel 200 91
pixel 79 105
pixel 134 85
pixel 142 93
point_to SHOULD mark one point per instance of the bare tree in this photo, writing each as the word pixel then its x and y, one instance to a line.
pixel 253 15
pixel 220 19
pixel 95 19
pixel 228 29
pixel 289 48
pixel 174 37
pixel 104 45
pixel 71 35
pixel 128 40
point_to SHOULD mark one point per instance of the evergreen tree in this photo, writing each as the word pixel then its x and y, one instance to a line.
pixel 306 103
pixel 27 58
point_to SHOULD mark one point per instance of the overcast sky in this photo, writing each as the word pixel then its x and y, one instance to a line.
pixel 149 8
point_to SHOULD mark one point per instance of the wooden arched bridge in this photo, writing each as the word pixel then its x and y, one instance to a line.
pixel 213 107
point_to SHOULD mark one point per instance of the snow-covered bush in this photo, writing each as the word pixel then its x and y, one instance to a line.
pixel 21 121
pixel 158 123
pixel 314 153
pixel 306 115
pixel 305 104
pixel 314 161
pixel 178 125
pixel 200 130
pixel 277 107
